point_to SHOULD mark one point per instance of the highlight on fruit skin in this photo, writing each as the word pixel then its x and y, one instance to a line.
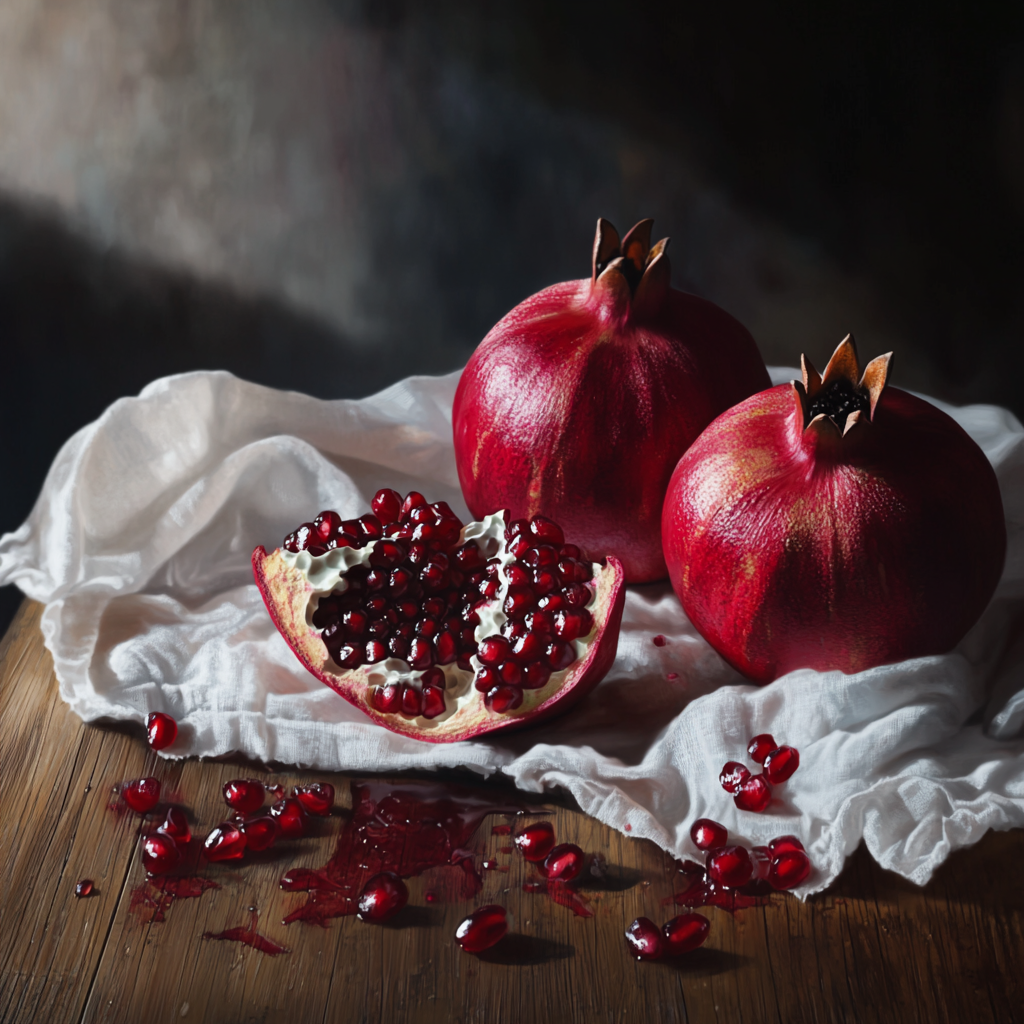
pixel 833 523
pixel 440 630
pixel 579 402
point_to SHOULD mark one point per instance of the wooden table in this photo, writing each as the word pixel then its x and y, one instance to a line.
pixel 872 948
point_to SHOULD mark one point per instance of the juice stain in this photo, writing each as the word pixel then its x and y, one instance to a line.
pixel 249 937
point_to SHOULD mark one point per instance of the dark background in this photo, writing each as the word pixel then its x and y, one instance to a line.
pixel 330 196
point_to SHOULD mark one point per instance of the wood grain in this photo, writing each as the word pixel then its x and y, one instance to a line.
pixel 873 948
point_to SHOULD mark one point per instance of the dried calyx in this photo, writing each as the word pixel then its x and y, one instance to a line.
pixel 842 396
pixel 632 270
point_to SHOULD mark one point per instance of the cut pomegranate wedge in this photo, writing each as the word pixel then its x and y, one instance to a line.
pixel 439 630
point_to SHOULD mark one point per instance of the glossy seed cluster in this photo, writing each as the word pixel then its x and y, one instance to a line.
pixel 419 600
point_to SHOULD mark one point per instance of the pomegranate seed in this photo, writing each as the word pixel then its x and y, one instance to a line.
pixel 576 595
pixel 433 677
pixel 260 833
pixel 754 795
pixel 785 844
pixel 535 676
pixel 659 641
pixel 421 653
pixel 559 654
pixel 493 650
pixel 374 651
pixel 160 853
pixel 386 555
pixel 244 795
pixel 542 557
pixel 644 938
pixel 426 628
pixel 176 825
pixel 547 531
pixel 412 701
pixel 326 525
pixel 468 557
pixel 518 602
pixel 707 834
pixel 733 775
pixel 788 869
pixel 761 858
pixel 730 866
pixel 509 672
pixel 482 929
pixel 412 500
pixel 288 813
pixel 518 575
pixel 317 798
pixel 574 624
pixel 370 527
pixel 355 623
pixel 83 888
pixel 780 764
pixel 433 702
pixel 569 551
pixel 387 505
pixel 398 646
pixel 141 795
pixel 519 547
pixel 544 582
pixel 516 527
pixel 552 603
pixel 535 841
pixel 446 648
pixel 300 539
pixel 528 648
pixel 503 698
pixel 398 581
pixel 161 730
pixel 225 842
pixel 761 746
pixel 382 897
pixel 387 699
pixel 487 678
pixel 685 933
pixel 563 863
pixel 489 589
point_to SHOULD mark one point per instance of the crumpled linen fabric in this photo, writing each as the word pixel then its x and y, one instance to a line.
pixel 139 546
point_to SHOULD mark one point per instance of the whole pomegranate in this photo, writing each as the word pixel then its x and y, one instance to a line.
pixel 578 404
pixel 835 523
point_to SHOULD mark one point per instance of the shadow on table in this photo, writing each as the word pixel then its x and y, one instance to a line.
pixel 516 948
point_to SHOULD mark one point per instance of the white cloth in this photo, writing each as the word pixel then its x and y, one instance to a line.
pixel 139 546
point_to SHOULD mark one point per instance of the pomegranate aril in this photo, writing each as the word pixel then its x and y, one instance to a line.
pixel 435 607
pixel 685 933
pixel 377 581
pixel 730 866
pixel 761 746
pixel 559 655
pixel 141 795
pixel 780 764
pixel 244 795
pixel 487 678
pixel 161 730
pixel 386 555
pixel 563 863
pixel 421 653
pixel 644 939
pixel 489 589
pixel 260 833
pixel 482 929
pixel 288 813
pixel 541 557
pixel 788 869
pixel 446 648
pixel 160 853
pixel 382 897
pixel 761 858
pixel 576 595
pixel 754 795
pixel 519 547
pixel 225 842
pixel 528 648
pixel 387 505
pixel 374 651
pixel 326 525
pixel 350 655
pixel 412 500
pixel 387 699
pixel 733 775
pixel 370 527
pixel 316 798
pixel 535 676
pixel 300 539
pixel 535 841
pixel 176 825
pixel 518 575
pixel 433 677
pixel 785 844
pixel 518 601
pixel 707 834
pixel 493 650
pixel 511 673
pixel 433 702
pixel 83 888
pixel 398 646
pixel 544 582
pixel 552 603
pixel 569 551
pixel 412 701
pixel 547 531
pixel 503 698
pixel 468 557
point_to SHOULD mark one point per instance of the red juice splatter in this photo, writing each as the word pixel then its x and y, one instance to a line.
pixel 407 830
pixel 151 900
pixel 250 937
pixel 562 893
pixel 702 892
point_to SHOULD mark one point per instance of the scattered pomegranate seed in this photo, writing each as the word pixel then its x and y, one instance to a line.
pixel 176 825
pixel 789 869
pixel 84 888
pixel 780 764
pixel 784 844
pixel 535 841
pixel 685 933
pixel 244 795
pixel 730 866
pixel 160 853
pixel 760 747
pixel 672 676
pixel 644 938
pixel 141 795
pixel 482 929
pixel 563 863
pixel 161 729
pixel 761 858
pixel 382 897
pixel 317 798
pixel 754 795
pixel 225 842
pixel 659 641
pixel 707 834
pixel 260 833
pixel 733 775
pixel 288 813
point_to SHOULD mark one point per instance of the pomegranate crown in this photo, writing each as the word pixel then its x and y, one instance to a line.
pixel 837 400
pixel 631 273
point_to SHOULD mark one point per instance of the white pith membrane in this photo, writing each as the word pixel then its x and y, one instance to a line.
pixel 324 574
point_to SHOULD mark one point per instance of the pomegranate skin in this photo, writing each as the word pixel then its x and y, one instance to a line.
pixel 800 547
pixel 580 401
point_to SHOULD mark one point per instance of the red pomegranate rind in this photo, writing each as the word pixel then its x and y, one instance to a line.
pixel 288 594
